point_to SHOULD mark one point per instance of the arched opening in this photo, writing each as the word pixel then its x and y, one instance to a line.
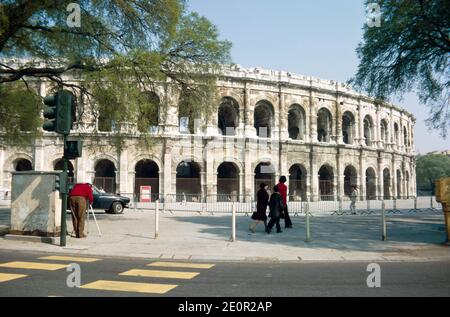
pixel 296 123
pixel 371 184
pixel 326 190
pixel 396 134
pixel 228 120
pixel 227 182
pixel 348 127
pixel 22 165
pixel 399 184
pixel 264 173
pixel 368 130
pixel 350 179
pixel 324 125
pixel 405 137
pixel 146 174
pixel 407 184
pixel 188 182
pixel 297 182
pixel 387 183
pixel 59 166
pixel 263 119
pixel 105 176
pixel 149 104
pixel 384 132
pixel 188 113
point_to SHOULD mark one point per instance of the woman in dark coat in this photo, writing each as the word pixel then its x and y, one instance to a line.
pixel 261 208
pixel 276 210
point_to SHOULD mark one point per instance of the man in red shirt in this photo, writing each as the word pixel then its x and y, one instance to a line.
pixel 78 198
pixel 283 192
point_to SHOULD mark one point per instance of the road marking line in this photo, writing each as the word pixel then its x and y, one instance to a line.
pixel 69 258
pixel 182 265
pixel 129 287
pixel 34 266
pixel 161 274
pixel 5 277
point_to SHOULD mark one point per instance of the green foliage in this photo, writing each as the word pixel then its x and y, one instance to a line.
pixel 430 168
pixel 124 50
pixel 20 110
pixel 410 51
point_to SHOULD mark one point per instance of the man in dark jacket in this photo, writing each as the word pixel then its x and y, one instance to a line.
pixel 276 210
pixel 79 197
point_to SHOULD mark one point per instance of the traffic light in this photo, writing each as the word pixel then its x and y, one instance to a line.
pixel 61 183
pixel 59 113
pixel 73 149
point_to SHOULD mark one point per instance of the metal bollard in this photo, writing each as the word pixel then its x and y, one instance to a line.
pixel 383 222
pixel 233 223
pixel 157 220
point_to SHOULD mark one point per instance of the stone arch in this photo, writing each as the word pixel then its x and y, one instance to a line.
pixel 326 180
pixel 297 182
pixel 324 125
pixel 368 130
pixel 145 157
pixel 384 131
pixel 9 165
pixel 227 181
pixel 350 179
pixel 264 118
pixel 146 173
pixel 296 122
pixel 264 173
pixel 149 112
pixel 228 116
pixel 371 184
pixel 399 179
pixel 387 183
pixel 188 181
pixel 105 175
pixel 348 127
pixel 396 134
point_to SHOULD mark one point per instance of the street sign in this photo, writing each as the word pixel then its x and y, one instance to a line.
pixel 146 194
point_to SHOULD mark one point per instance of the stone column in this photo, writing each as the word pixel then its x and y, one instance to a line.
pixel 313 117
pixel 248 175
pixel 377 127
pixel 380 180
pixel 314 176
pixel 122 180
pixel 283 117
pixel 338 119
pixel 170 117
pixel 241 186
pixel 168 176
pixel 249 128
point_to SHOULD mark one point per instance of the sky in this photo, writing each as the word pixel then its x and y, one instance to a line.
pixel 309 37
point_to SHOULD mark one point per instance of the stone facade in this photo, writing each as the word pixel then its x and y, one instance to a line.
pixel 322 135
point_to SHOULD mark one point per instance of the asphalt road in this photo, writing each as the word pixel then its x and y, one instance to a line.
pixel 219 280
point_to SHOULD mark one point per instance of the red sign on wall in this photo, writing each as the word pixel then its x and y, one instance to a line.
pixel 146 194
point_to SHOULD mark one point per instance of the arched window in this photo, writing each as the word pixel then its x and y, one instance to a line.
pixel 296 123
pixel 405 137
pixel 228 119
pixel 297 182
pixel 371 186
pixel 149 105
pixel 348 127
pixel 105 176
pixel 384 132
pixel 227 182
pixel 326 189
pixel 368 130
pixel 22 165
pixel 264 119
pixel 387 183
pixel 324 125
pixel 59 166
pixel 146 174
pixel 350 179
pixel 399 184
pixel 188 182
pixel 396 134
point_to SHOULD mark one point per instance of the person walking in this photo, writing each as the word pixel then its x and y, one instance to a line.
pixel 261 208
pixel 79 197
pixel 283 192
pixel 353 196
pixel 276 210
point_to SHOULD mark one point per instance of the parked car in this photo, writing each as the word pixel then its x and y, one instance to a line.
pixel 111 203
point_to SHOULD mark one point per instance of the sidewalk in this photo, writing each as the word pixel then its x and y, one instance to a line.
pixel 189 236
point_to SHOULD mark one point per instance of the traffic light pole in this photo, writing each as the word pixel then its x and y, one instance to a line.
pixel 64 202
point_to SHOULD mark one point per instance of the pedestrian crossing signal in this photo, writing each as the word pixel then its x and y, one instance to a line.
pixel 73 149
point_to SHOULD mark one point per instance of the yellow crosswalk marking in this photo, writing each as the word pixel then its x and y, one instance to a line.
pixel 182 265
pixel 69 258
pixel 5 277
pixel 161 274
pixel 129 287
pixel 33 266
